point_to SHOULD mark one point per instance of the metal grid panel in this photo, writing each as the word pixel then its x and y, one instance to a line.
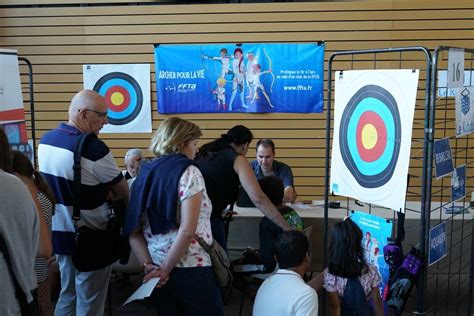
pixel 454 273
pixel 395 58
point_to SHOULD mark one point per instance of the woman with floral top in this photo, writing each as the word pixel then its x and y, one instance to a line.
pixel 168 206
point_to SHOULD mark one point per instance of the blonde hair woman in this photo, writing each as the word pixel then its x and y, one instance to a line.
pixel 168 206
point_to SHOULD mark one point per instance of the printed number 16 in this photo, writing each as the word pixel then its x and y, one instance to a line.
pixel 457 72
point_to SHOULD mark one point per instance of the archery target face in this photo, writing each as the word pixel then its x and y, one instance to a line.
pixel 126 90
pixel 372 135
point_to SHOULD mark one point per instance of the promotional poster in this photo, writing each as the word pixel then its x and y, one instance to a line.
pixel 375 231
pixel 248 77
pixel 12 113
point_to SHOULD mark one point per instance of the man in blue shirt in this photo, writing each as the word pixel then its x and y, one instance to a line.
pixel 82 293
pixel 266 165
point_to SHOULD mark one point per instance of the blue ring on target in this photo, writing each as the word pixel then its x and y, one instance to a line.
pixel 128 83
pixel 376 99
pixel 377 106
pixel 130 89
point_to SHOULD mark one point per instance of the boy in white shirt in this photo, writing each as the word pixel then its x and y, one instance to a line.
pixel 285 292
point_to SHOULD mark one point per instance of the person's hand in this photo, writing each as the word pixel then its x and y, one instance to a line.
pixel 51 260
pixel 153 271
pixel 288 195
pixel 288 227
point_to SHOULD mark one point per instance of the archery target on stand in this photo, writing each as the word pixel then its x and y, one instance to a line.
pixel 372 135
pixel 126 89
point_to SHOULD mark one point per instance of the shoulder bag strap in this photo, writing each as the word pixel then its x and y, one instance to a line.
pixel 19 294
pixel 203 243
pixel 76 187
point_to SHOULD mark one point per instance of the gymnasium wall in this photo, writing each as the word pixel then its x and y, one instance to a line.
pixel 58 37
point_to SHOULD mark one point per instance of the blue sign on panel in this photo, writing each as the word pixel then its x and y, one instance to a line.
pixel 248 77
pixel 458 183
pixel 438 243
pixel 443 158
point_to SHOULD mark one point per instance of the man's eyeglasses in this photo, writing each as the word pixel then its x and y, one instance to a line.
pixel 99 114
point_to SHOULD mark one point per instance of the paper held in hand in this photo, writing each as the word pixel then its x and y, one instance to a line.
pixel 143 291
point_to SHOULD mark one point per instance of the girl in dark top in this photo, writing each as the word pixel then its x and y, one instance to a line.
pixel 44 199
pixel 224 167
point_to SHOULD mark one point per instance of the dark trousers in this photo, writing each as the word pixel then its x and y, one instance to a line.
pixel 191 292
pixel 268 233
pixel 218 231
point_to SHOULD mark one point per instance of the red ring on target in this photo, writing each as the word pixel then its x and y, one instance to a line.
pixel 370 118
pixel 117 107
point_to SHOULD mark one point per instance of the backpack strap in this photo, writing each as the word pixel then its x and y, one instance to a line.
pixel 76 187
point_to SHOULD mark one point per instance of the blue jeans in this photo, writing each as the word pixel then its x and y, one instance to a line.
pixel 191 292
pixel 82 293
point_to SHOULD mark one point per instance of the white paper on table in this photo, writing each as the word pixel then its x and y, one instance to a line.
pixel 143 291
pixel 248 267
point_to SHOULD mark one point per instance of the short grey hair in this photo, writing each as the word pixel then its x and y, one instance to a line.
pixel 132 153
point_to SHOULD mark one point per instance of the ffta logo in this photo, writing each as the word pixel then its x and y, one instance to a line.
pixel 465 101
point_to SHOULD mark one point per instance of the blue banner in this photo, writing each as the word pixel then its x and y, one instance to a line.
pixel 443 158
pixel 247 77
pixel 438 243
pixel 458 183
pixel 375 231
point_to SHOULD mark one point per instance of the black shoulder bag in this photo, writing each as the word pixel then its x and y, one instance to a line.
pixel 27 309
pixel 93 249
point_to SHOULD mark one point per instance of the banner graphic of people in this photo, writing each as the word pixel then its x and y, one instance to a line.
pixel 373 119
pixel 375 231
pixel 126 89
pixel 12 113
pixel 246 77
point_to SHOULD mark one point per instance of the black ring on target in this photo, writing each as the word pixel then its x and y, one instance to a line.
pixel 364 96
pixel 133 101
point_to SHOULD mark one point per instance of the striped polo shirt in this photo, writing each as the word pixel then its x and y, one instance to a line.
pixel 99 172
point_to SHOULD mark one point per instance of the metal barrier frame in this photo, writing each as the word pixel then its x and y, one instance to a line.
pixel 427 153
pixel 434 80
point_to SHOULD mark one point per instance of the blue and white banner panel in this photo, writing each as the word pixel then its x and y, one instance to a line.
pixel 464 98
pixel 373 119
pixel 438 243
pixel 443 158
pixel 247 77
pixel 126 89
pixel 458 183
pixel 375 231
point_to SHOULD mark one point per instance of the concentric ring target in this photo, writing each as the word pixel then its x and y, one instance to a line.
pixel 370 135
pixel 123 96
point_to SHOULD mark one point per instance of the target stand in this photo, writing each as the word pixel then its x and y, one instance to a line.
pixel 371 139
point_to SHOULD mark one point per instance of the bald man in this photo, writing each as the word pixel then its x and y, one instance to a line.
pixel 82 293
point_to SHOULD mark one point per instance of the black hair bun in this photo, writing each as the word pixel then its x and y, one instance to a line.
pixel 227 138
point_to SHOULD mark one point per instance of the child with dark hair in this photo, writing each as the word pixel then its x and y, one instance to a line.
pixel 285 292
pixel 349 280
pixel 274 190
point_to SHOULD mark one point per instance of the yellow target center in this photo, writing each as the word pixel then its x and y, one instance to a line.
pixel 369 136
pixel 116 98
